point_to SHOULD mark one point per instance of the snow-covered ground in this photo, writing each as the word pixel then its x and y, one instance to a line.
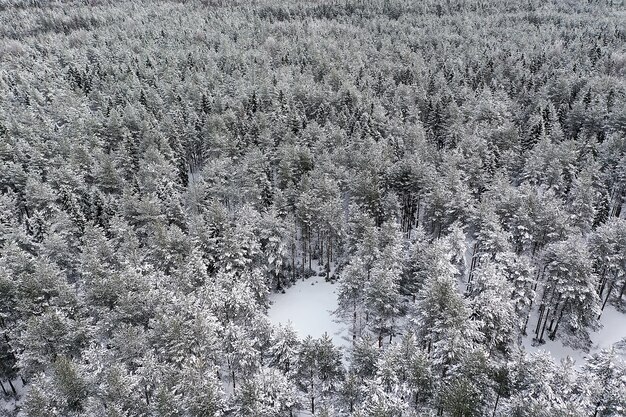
pixel 8 403
pixel 612 332
pixel 309 305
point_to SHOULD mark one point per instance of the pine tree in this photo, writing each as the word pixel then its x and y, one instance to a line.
pixel 493 307
pixel 364 357
pixel 441 317
pixel 330 367
pixel 381 292
pixel 202 390
pixel 350 391
pixel 378 403
pixel 606 245
pixel 319 368
pixel 240 351
pixel 307 370
pixel 569 295
pixel 351 293
pixel 268 393
pixel 604 378
pixel 284 348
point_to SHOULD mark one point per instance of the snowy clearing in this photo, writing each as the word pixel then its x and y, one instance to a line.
pixel 612 332
pixel 309 306
pixel 9 403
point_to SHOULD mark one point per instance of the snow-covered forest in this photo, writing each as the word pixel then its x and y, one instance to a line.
pixel 179 179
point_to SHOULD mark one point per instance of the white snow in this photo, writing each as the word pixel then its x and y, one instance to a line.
pixel 9 403
pixel 467 264
pixel 613 330
pixel 309 306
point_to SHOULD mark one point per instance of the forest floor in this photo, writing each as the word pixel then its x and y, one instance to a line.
pixel 9 403
pixel 309 305
pixel 612 333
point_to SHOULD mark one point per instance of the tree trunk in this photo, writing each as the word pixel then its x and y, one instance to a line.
pixel 3 389
pixel 321 243
pixel 541 310
pixel 417 221
pixel 543 329
pixel 409 212
pixel 530 309
pixel 312 395
pixel 472 263
pixel 310 251
pixel 540 276
pixel 330 248
pixel 602 281
pixel 354 322
pixel 293 262
pixel 558 321
pixel 12 387
pixel 328 259
pixel 405 211
pixel 616 203
pixel 303 255
pixel 545 311
pixel 608 294
pixel 525 324
pixel 556 308
pixel 495 407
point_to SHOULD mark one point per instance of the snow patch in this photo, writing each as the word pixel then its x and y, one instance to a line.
pixel 612 332
pixel 9 404
pixel 309 306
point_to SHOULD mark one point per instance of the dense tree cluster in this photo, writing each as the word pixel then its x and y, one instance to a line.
pixel 457 168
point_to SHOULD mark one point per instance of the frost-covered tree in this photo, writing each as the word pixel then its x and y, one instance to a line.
pixel 351 294
pixel 493 308
pixel 268 393
pixel 241 352
pixel 603 377
pixel 202 391
pixel 284 348
pixel 379 403
pixel 162 174
pixel 319 368
pixel 364 357
pixel 569 295
pixel 539 387
pixel 439 306
pixel 381 298
pixel 606 245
